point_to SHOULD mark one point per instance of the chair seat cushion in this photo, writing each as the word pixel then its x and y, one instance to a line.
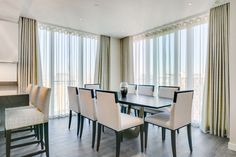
pixel 161 119
pixel 128 121
pixel 15 119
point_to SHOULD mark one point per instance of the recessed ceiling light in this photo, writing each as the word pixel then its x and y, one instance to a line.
pixel 190 3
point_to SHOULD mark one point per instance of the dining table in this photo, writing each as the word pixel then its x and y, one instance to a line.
pixel 11 100
pixel 142 101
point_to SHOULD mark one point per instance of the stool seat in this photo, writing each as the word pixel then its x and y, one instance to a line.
pixel 24 117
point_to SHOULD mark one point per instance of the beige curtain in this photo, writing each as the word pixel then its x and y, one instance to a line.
pixel 102 69
pixel 27 61
pixel 216 104
pixel 127 72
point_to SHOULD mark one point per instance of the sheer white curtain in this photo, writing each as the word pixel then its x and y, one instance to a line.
pixel 67 57
pixel 173 58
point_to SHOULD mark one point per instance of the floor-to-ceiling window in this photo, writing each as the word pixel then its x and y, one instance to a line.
pixel 67 57
pixel 174 57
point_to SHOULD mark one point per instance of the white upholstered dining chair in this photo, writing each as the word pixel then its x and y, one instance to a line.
pixel 145 90
pixel 74 105
pixel 108 114
pixel 132 89
pixel 178 117
pixel 92 86
pixel 87 109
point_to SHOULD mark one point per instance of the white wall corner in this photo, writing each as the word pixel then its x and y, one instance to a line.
pixel 232 146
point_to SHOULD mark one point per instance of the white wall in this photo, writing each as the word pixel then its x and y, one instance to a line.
pixel 115 74
pixel 8 41
pixel 232 64
pixel 8 51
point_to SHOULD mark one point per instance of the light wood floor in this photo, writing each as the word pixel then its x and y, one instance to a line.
pixel 65 143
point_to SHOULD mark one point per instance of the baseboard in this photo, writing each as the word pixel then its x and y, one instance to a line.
pixel 232 146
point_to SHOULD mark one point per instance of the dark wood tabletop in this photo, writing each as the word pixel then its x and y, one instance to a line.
pixel 145 101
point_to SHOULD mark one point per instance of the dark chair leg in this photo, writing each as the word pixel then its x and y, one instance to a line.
pixel 163 134
pixel 146 133
pixel 118 139
pixel 82 126
pixel 138 113
pixel 41 135
pixel 135 113
pixel 94 133
pixel 141 137
pixel 8 143
pixel 173 142
pixel 99 136
pixel 189 137
pixel 70 117
pixel 78 123
pixel 178 131
pixel 145 114
pixel 103 130
pixel 46 139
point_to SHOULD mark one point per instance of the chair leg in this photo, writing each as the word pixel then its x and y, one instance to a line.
pixel 189 137
pixel 146 133
pixel 163 134
pixel 8 143
pixel 103 130
pixel 46 139
pixel 178 131
pixel 141 137
pixel 70 117
pixel 173 142
pixel 118 140
pixel 41 135
pixel 94 133
pixel 78 123
pixel 82 126
pixel 99 136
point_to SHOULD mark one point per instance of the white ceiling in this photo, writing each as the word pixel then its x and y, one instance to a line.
pixel 117 18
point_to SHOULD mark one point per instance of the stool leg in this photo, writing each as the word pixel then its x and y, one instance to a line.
pixel 41 135
pixel 46 139
pixel 8 143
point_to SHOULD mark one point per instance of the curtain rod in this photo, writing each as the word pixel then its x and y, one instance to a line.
pixel 69 28
pixel 219 3
pixel 171 23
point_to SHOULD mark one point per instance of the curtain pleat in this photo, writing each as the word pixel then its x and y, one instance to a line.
pixel 127 60
pixel 176 58
pixel 216 102
pixel 102 71
pixel 64 57
pixel 27 61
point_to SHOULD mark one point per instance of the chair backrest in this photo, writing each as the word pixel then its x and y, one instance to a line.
pixel 167 91
pixel 29 88
pixel 73 96
pixel 92 86
pixel 181 109
pixel 34 95
pixel 44 100
pixel 147 90
pixel 132 88
pixel 87 103
pixel 108 109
